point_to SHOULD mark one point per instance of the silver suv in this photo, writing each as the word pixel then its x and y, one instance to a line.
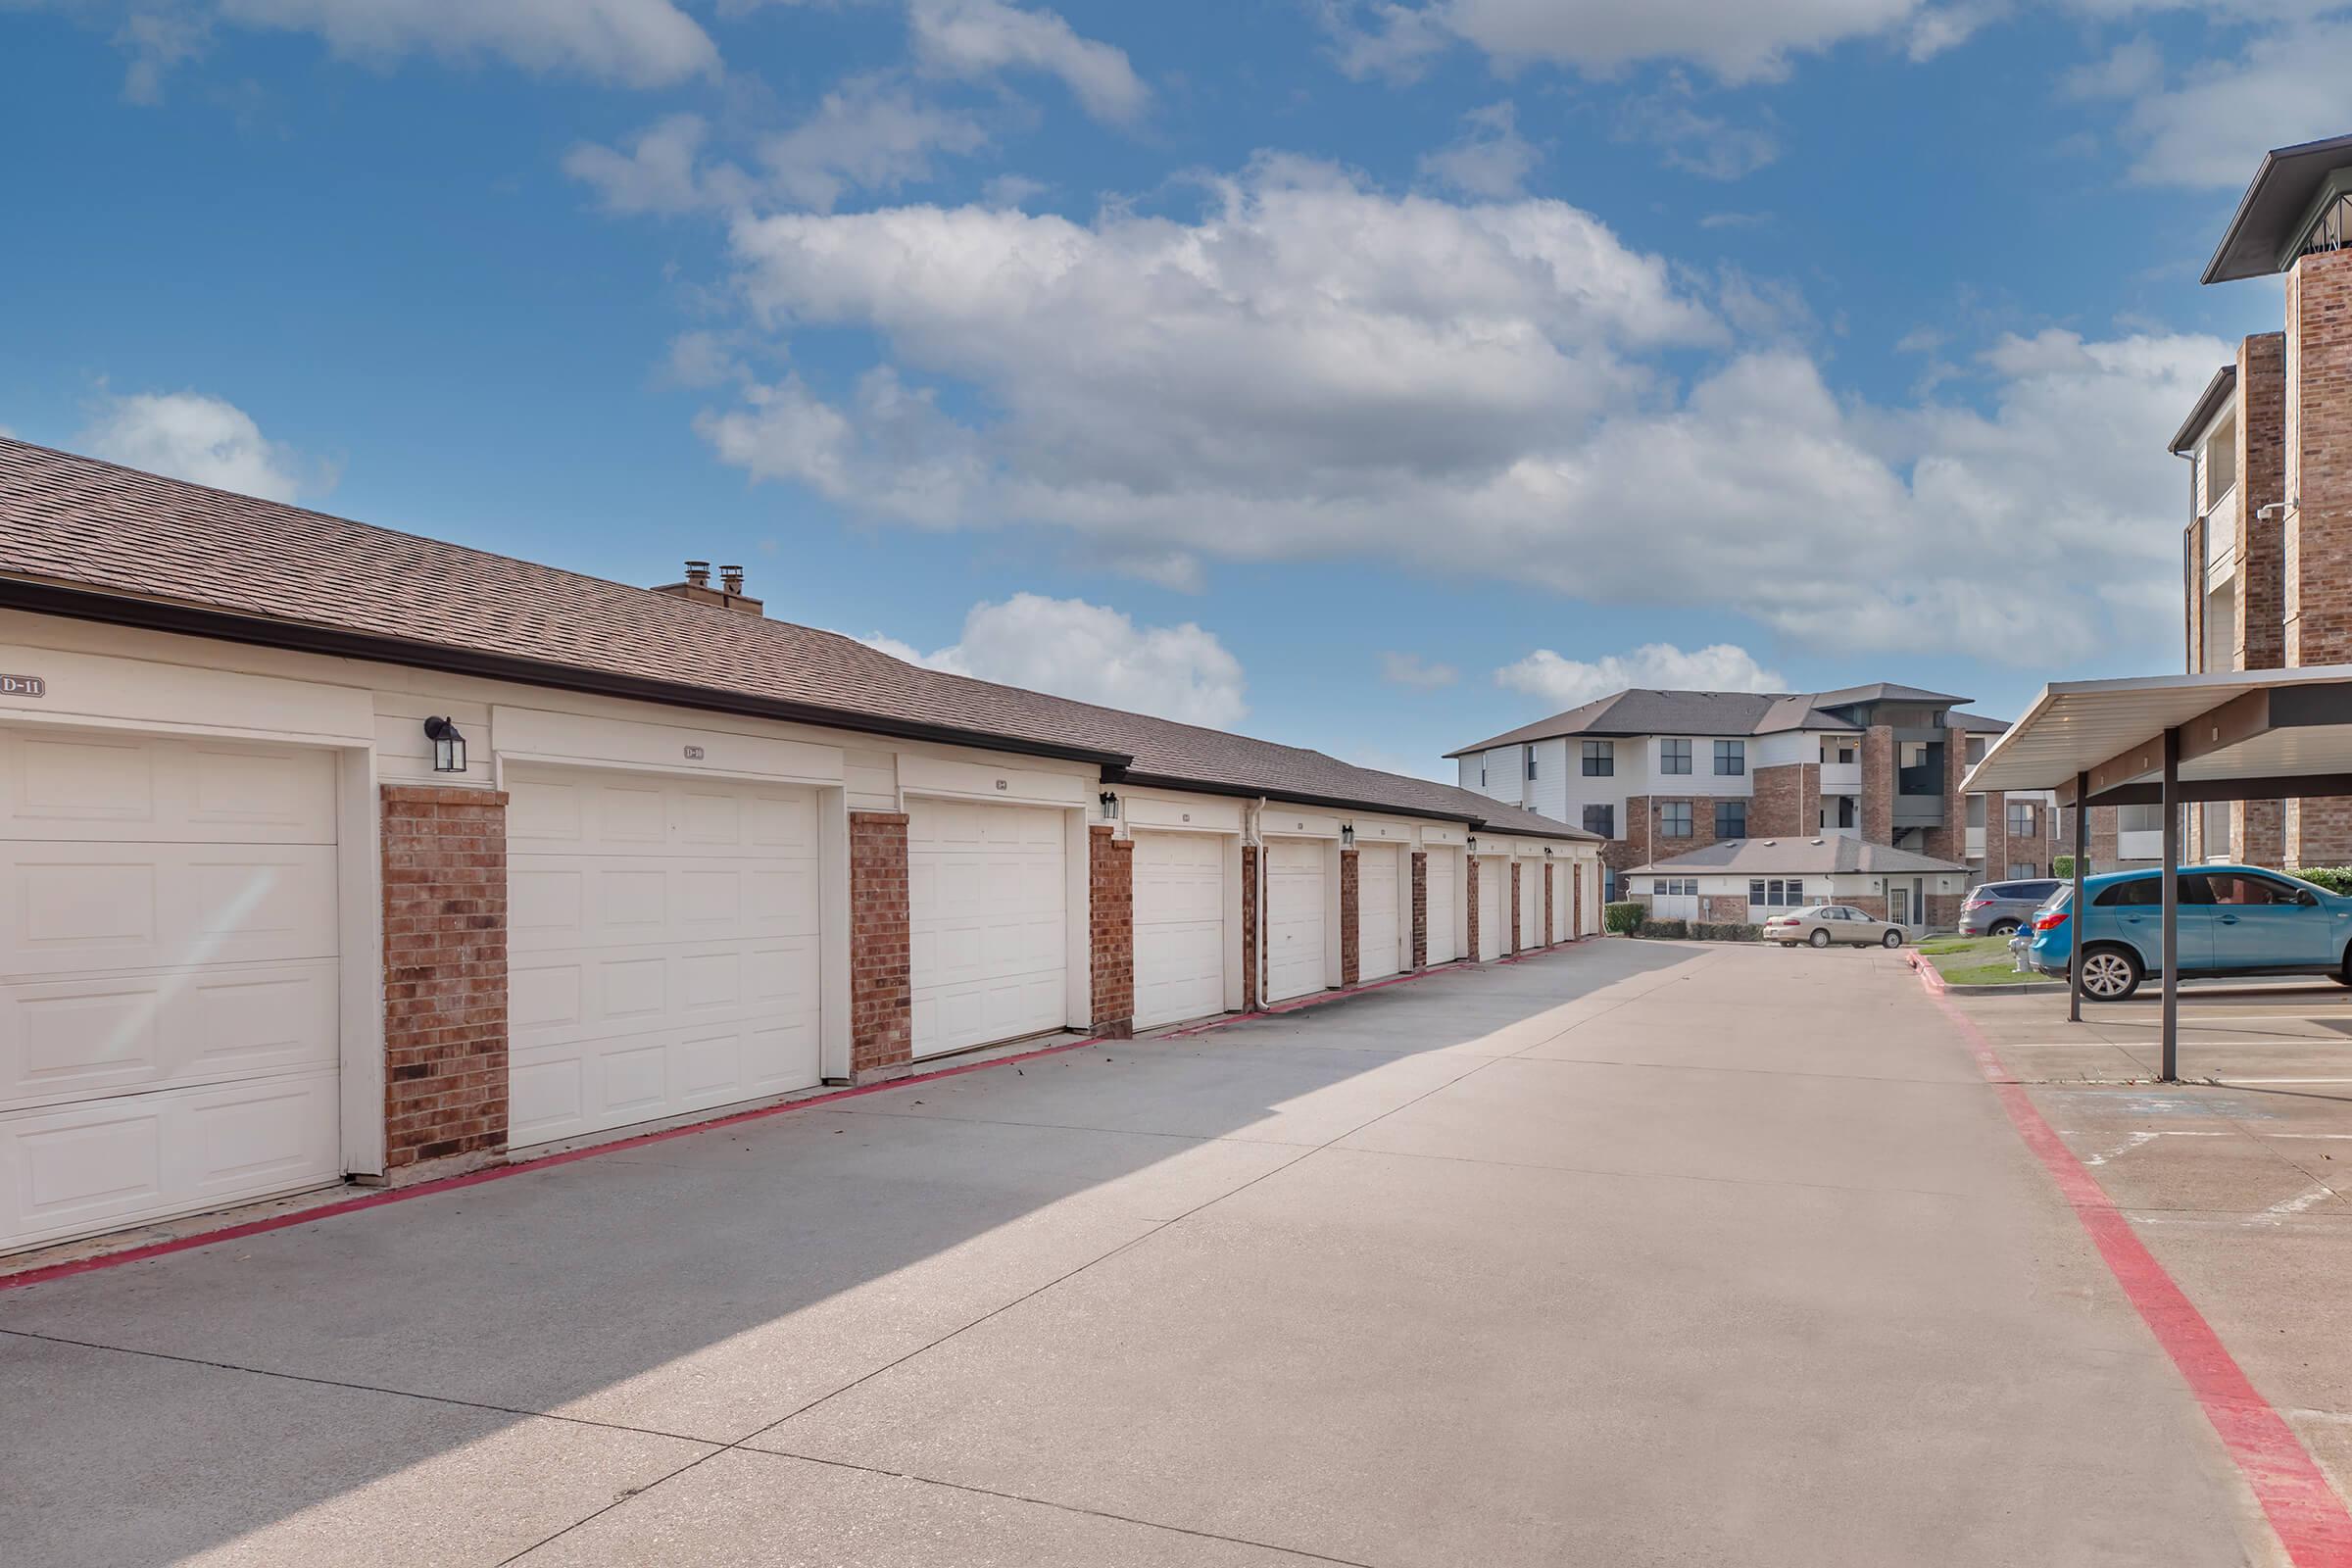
pixel 1997 908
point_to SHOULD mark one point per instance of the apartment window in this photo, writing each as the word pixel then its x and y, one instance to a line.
pixel 1756 892
pixel 1846 811
pixel 2023 870
pixel 1797 893
pixel 1531 761
pixel 1976 750
pixel 1730 759
pixel 1674 756
pixel 1600 759
pixel 1838 752
pixel 2021 819
pixel 1731 820
pixel 1775 894
pixel 1975 811
pixel 1602 820
pixel 1674 819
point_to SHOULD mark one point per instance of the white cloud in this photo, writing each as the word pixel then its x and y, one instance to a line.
pixel 638 43
pixel 1489 158
pixel 1311 369
pixel 978 38
pixel 1662 666
pixel 188 435
pixel 1411 670
pixel 1735 42
pixel 1707 145
pixel 2210 126
pixel 869 133
pixel 2127 70
pixel 1094 653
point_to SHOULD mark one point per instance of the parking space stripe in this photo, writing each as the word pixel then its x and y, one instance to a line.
pixel 2303 1509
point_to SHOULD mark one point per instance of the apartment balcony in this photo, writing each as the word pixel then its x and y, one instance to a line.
pixel 1848 832
pixel 2144 844
pixel 1841 778
pixel 2220 540
pixel 1976 843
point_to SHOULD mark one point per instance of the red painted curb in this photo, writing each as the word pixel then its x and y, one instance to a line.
pixel 2309 1517
pixel 451 1184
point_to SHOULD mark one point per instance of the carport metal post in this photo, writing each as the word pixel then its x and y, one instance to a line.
pixel 2170 799
pixel 2074 969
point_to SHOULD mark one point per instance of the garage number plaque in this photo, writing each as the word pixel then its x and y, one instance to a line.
pixel 23 686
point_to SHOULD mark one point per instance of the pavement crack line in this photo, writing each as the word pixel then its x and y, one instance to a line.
pixel 999 1310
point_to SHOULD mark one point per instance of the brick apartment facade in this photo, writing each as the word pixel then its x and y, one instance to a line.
pixel 2268 549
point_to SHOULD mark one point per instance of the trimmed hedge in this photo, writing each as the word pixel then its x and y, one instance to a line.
pixel 1623 919
pixel 1696 931
pixel 2334 878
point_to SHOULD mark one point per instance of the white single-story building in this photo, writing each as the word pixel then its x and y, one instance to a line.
pixel 328 852
pixel 1748 881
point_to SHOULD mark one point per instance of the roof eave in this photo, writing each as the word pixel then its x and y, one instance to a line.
pixel 2223 387
pixel 2239 256
pixel 173 616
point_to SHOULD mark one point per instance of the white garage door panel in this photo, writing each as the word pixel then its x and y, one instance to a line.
pixel 1295 893
pixel 170 1023
pixel 1377 917
pixel 73 1169
pixel 1442 888
pixel 1493 907
pixel 664 939
pixel 989 937
pixel 1530 902
pixel 1179 927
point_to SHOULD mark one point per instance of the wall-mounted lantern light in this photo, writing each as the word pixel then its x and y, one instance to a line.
pixel 449 747
pixel 1111 805
pixel 1348 836
pixel 1474 844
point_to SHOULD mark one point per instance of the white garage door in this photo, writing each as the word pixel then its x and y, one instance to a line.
pixel 1563 876
pixel 663 946
pixel 1531 905
pixel 986 894
pixel 169 1014
pixel 1179 927
pixel 1377 927
pixel 1441 889
pixel 1294 892
pixel 1494 908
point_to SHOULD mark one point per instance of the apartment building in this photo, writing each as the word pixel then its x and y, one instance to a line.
pixel 2266 557
pixel 1664 774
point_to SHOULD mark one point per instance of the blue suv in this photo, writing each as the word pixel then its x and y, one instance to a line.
pixel 2234 920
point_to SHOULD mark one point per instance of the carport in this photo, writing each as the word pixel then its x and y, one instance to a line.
pixel 2174 741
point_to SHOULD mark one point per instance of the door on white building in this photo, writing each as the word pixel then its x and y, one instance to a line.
pixel 1494 908
pixel 1296 888
pixel 169 1039
pixel 1179 927
pixel 1531 903
pixel 1441 892
pixel 987 901
pixel 1380 928
pixel 663 946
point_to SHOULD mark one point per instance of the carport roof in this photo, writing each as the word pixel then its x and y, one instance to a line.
pixel 92 539
pixel 1827 856
pixel 2257 734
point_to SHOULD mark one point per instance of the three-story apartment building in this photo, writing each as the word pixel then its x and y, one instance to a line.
pixel 2266 563
pixel 1664 775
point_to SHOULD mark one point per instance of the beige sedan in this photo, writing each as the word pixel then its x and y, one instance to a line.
pixel 1821 924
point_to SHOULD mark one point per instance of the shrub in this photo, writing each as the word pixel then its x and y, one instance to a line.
pixel 1622 919
pixel 1668 930
pixel 2334 878
pixel 2062 867
pixel 1728 931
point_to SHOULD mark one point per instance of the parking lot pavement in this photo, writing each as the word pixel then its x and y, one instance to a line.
pixel 1632 1252
pixel 2238 1179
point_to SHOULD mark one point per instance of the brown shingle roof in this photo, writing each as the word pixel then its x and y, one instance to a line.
pixel 94 526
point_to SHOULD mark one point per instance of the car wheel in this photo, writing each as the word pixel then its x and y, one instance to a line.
pixel 2110 974
pixel 2002 928
pixel 2343 970
pixel 1893 937
pixel 1820 939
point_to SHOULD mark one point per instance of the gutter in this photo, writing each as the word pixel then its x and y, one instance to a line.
pixel 153 614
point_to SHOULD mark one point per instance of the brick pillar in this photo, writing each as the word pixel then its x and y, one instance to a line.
pixel 1997 836
pixel 881 962
pixel 1576 902
pixel 1548 938
pixel 1950 841
pixel 1351 967
pixel 1877 808
pixel 2106 850
pixel 1470 908
pixel 445 978
pixel 2193 578
pixel 2316 558
pixel 1250 854
pixel 1510 868
pixel 2261 482
pixel 1110 903
pixel 1420 859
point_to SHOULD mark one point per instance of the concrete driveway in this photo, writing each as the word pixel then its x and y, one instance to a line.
pixel 1629 1254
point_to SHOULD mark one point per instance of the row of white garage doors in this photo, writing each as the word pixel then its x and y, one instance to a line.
pixel 171 975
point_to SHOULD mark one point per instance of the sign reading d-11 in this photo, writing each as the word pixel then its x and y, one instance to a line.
pixel 23 686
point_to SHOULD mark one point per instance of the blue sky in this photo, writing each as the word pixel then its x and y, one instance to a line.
pixel 1367 376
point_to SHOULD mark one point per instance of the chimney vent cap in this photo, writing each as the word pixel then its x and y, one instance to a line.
pixel 698 572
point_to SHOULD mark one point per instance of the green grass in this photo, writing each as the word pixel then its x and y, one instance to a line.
pixel 1973 960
